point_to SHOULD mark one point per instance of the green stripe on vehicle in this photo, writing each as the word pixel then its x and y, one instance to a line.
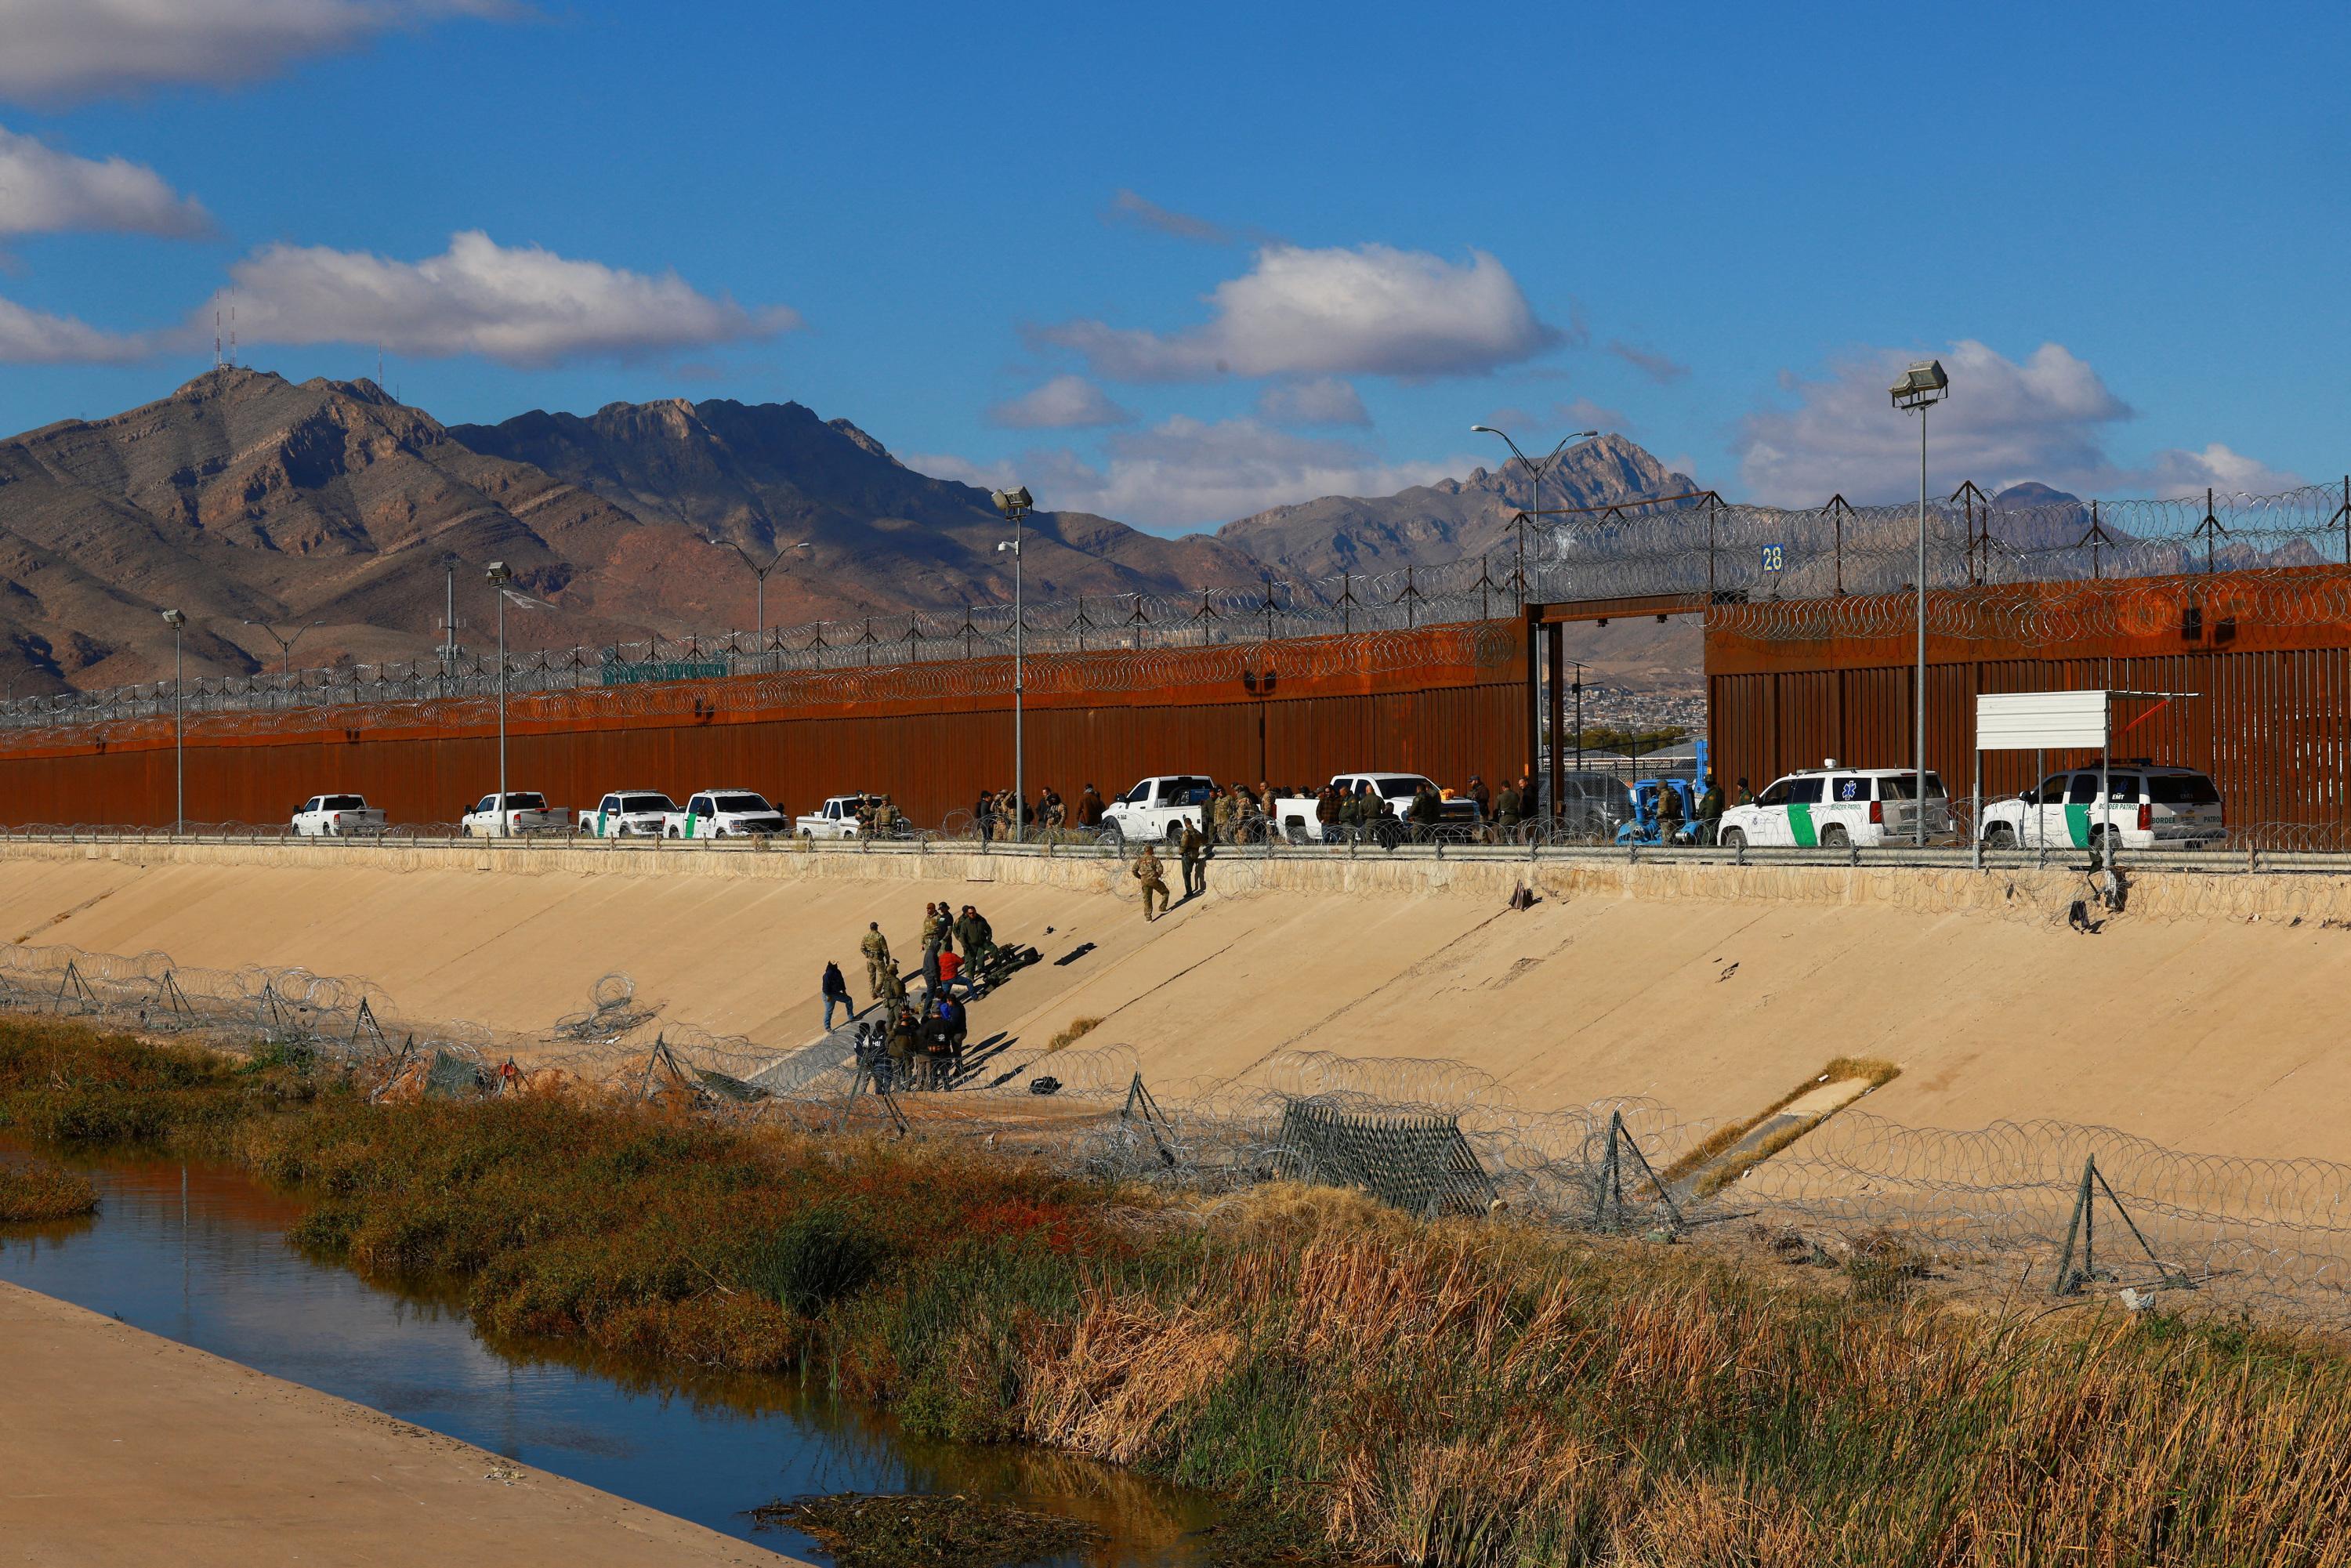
pixel 1800 823
pixel 2077 824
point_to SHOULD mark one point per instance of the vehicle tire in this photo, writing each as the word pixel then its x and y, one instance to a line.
pixel 1174 832
pixel 1734 838
pixel 809 833
pixel 1835 837
pixel 1999 836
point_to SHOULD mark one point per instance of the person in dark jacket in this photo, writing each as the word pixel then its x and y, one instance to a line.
pixel 1090 807
pixel 1427 810
pixel 905 1043
pixel 957 1023
pixel 1709 813
pixel 1509 811
pixel 836 994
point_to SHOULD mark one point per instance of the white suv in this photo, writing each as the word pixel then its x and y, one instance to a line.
pixel 2150 806
pixel 1833 807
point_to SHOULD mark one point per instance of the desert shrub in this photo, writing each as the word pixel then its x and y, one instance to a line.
pixel 36 1190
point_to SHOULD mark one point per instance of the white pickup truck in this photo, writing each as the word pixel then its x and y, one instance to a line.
pixel 1160 806
pixel 836 819
pixel 336 817
pixel 725 814
pixel 518 812
pixel 1295 813
pixel 629 813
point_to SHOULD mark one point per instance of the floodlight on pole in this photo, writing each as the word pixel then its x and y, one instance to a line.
pixel 499 574
pixel 1922 386
pixel 175 621
pixel 1015 504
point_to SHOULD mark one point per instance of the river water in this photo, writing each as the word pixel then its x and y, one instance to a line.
pixel 197 1254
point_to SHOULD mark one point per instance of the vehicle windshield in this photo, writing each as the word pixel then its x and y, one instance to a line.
pixel 2182 789
pixel 742 802
pixel 647 803
pixel 1396 788
pixel 526 802
pixel 1898 787
pixel 341 803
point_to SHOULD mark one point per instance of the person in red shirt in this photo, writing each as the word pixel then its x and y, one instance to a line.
pixel 949 968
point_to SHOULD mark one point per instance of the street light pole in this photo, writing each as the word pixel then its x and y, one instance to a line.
pixel 285 644
pixel 499 575
pixel 175 620
pixel 1542 697
pixel 760 578
pixel 1547 464
pixel 1922 386
pixel 1918 715
pixel 1015 503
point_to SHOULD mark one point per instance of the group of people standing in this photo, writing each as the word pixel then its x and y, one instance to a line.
pixel 918 1043
pixel 998 810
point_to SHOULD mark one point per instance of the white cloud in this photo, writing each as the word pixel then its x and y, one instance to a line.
pixel 520 305
pixel 1368 310
pixel 1065 402
pixel 1324 401
pixel 1186 474
pixel 36 337
pixel 2175 472
pixel 60 50
pixel 2045 417
pixel 44 191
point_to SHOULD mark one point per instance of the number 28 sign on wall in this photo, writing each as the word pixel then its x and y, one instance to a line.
pixel 1774 557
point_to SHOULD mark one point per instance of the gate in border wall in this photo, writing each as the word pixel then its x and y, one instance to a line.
pixel 1442 700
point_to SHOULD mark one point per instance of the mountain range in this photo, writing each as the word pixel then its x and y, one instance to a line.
pixel 326 514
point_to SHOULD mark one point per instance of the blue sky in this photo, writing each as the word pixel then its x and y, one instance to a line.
pixel 1179 264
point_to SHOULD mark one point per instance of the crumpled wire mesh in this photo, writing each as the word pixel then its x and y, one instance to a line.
pixel 2266 1235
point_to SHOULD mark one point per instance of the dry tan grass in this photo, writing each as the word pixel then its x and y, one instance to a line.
pixel 1076 1030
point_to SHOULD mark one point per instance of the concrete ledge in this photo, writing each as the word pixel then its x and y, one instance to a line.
pixel 2025 892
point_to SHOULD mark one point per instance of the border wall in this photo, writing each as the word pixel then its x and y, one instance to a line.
pixel 1443 700
pixel 2267 656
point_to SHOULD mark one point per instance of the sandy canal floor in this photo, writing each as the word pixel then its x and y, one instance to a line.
pixel 121 1449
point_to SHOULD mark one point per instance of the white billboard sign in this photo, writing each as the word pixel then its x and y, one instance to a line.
pixel 2042 721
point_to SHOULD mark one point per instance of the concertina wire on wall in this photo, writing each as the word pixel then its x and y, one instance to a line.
pixel 1763 572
